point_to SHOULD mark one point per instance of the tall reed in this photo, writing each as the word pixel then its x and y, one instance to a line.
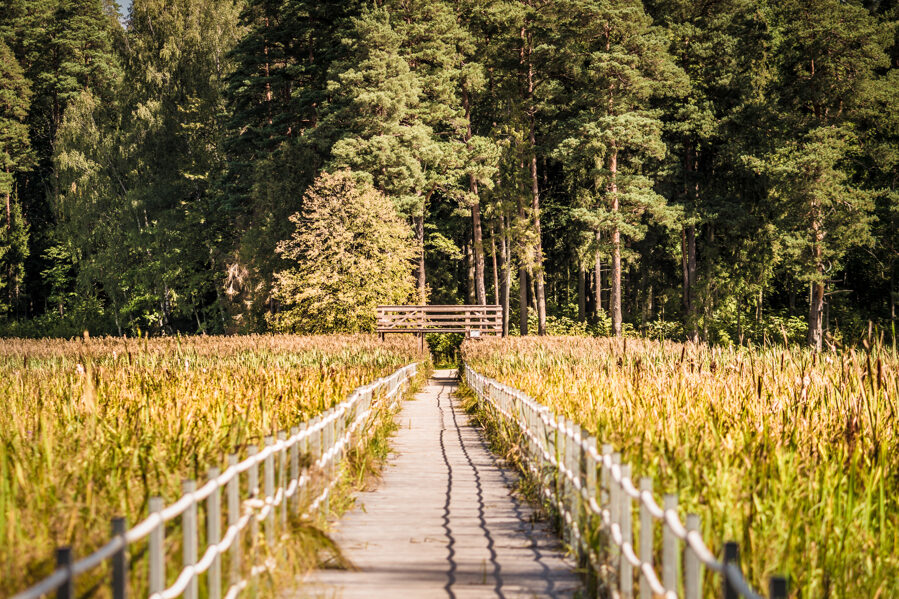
pixel 90 429
pixel 790 453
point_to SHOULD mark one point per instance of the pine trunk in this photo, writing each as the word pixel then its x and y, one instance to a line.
pixel 816 301
pixel 469 260
pixel 523 300
pixel 581 292
pixel 597 279
pixel 615 296
pixel 538 274
pixel 690 280
pixel 420 243
pixel 478 250
pixel 506 273
pixel 477 235
pixel 495 266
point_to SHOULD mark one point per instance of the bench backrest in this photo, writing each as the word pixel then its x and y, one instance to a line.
pixel 474 321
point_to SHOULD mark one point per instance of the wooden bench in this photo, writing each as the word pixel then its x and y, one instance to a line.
pixel 474 321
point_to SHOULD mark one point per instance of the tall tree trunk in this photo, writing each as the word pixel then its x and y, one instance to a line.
pixel 420 243
pixel 523 299
pixel 816 301
pixel 597 278
pixel 581 292
pixel 615 296
pixel 540 295
pixel 506 272
pixel 8 207
pixel 477 250
pixel 495 269
pixel 690 279
pixel 469 259
pixel 477 235
pixel 691 196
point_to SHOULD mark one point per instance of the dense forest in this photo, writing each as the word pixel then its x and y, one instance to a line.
pixel 719 170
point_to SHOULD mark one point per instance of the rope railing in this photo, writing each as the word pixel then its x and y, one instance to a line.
pixel 319 444
pixel 562 458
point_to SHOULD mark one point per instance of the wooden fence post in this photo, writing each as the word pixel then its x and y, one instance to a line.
pixel 295 469
pixel 189 543
pixel 777 587
pixel 120 560
pixel 627 536
pixel 692 574
pixel 268 475
pixel 253 485
pixel 670 564
pixel 592 571
pixel 213 536
pixel 232 490
pixel 731 556
pixel 282 481
pixel 64 562
pixel 645 539
pixel 156 550
pixel 615 513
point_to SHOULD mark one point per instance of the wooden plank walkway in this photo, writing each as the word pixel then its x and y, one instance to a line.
pixel 443 521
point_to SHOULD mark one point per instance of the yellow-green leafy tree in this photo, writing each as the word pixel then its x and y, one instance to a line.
pixel 350 251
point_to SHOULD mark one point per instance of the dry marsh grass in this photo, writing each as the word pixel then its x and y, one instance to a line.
pixel 794 455
pixel 90 429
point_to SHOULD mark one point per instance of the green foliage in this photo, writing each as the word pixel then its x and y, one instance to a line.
pixel 153 165
pixel 444 348
pixel 350 252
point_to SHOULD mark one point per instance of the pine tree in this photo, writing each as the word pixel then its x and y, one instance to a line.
pixel 15 156
pixel 439 46
pixel 65 47
pixel 830 52
pixel 374 124
pixel 615 129
pixel 275 96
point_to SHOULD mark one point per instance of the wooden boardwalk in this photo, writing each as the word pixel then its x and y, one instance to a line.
pixel 443 521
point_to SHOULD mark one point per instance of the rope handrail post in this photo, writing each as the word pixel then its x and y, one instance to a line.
pixel 268 476
pixel 294 459
pixel 156 574
pixel 120 560
pixel 626 576
pixel 64 562
pixel 213 536
pixel 189 531
pixel 253 487
pixel 670 561
pixel 282 481
pixel 692 565
pixel 646 541
pixel 731 556
pixel 778 587
pixel 232 491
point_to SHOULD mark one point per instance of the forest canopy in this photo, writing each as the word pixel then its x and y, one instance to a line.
pixel 723 170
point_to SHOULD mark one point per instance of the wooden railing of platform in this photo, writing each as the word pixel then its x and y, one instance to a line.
pixel 474 321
